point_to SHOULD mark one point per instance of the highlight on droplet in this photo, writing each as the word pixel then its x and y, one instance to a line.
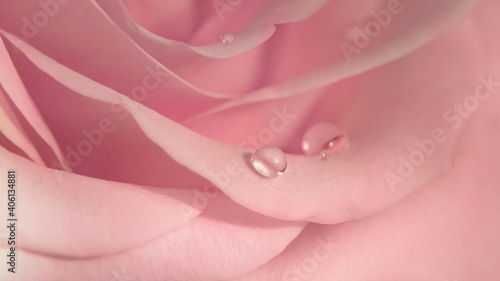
pixel 269 161
pixel 323 140
pixel 226 38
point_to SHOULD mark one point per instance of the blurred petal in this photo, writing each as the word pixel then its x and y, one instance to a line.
pixel 16 91
pixel 350 186
pixel 101 140
pixel 64 214
pixel 446 231
pixel 85 48
pixel 12 129
pixel 224 242
pixel 423 21
pixel 251 23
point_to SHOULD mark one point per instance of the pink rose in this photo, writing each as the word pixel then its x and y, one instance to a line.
pixel 127 152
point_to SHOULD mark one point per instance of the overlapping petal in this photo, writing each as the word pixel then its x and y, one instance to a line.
pixel 395 149
pixel 64 214
pixel 446 231
pixel 340 190
pixel 226 241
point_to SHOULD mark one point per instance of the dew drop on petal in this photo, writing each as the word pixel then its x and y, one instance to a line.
pixel 325 155
pixel 323 140
pixel 269 161
pixel 226 39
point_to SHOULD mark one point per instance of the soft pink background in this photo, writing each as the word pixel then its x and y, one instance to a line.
pixel 131 209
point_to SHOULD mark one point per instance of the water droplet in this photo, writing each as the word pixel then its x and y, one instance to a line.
pixel 323 140
pixel 226 39
pixel 269 161
pixel 325 155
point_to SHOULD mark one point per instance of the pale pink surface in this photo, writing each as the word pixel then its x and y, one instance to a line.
pixel 128 207
pixel 323 136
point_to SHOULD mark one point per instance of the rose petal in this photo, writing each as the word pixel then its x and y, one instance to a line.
pixel 173 20
pixel 224 242
pixel 100 139
pixel 12 84
pixel 11 128
pixel 128 60
pixel 70 215
pixel 253 20
pixel 446 231
pixel 350 186
pixel 424 21
pixel 85 48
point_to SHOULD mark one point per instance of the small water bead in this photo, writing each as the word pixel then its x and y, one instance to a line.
pixel 323 140
pixel 269 161
pixel 226 39
pixel 325 155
